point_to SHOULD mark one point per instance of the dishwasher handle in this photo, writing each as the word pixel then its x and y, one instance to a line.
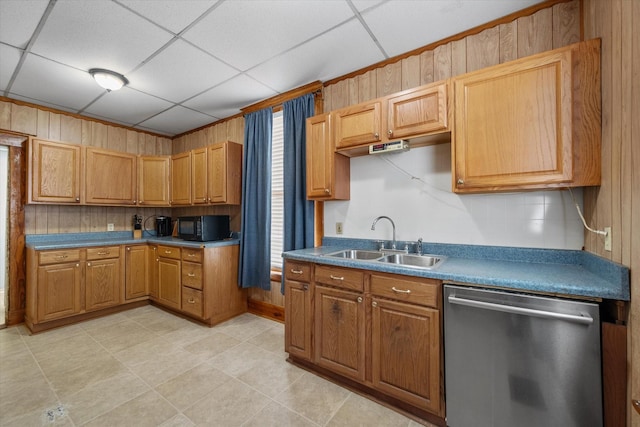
pixel 584 319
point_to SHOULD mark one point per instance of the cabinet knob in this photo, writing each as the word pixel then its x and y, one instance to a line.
pixel 359 299
pixel 390 132
pixel 376 135
pixel 77 265
pixel 326 190
pixel 128 248
pixel 305 287
pixel 374 304
pixel 77 199
pixel 460 181
pixel 88 264
pixel 191 301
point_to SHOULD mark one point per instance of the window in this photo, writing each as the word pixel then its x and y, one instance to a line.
pixel 277 192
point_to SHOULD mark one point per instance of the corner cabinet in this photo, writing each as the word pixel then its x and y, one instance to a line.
pixel 54 172
pixel 530 123
pixel 328 173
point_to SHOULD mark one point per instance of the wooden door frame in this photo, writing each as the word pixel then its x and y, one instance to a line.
pixel 16 289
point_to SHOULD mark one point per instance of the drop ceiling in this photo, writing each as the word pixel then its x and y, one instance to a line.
pixel 193 62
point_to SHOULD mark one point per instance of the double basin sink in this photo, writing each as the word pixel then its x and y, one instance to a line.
pixel 426 262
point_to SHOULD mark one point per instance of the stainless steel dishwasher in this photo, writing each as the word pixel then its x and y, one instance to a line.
pixel 515 360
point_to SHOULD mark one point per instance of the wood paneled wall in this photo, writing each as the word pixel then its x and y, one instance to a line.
pixel 616 203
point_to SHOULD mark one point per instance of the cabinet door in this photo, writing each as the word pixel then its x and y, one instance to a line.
pixel 136 268
pixel 54 172
pixel 199 187
pixel 110 177
pixel 225 172
pixel 169 282
pixel 58 291
pixel 297 318
pixel 529 123
pixel 340 331
pixel 406 353
pixel 153 180
pixel 417 112
pixel 153 271
pixel 181 179
pixel 328 173
pixel 357 125
pixel 102 283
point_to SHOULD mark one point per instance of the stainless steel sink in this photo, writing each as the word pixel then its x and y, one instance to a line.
pixel 413 260
pixel 357 254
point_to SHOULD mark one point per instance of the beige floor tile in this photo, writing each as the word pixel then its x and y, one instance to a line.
pixel 51 416
pixel 18 366
pixel 78 345
pixel 271 339
pixel 187 334
pixel 164 324
pixel 18 398
pixel 11 342
pixel 276 415
pixel 178 421
pixel 101 322
pixel 124 327
pixel 102 396
pixel 229 405
pixel 144 351
pixel 186 389
pixel 165 366
pixel 314 398
pixel 239 359
pixel 360 412
pixel 148 409
pixel 245 326
pixel 44 340
pixel 212 345
pixel 271 375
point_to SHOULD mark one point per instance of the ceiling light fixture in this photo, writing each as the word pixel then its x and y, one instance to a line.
pixel 110 80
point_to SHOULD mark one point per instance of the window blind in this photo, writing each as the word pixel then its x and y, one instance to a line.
pixel 277 191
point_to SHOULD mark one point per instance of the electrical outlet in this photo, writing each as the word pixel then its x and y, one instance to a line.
pixel 607 239
pixel 338 228
pixel 110 226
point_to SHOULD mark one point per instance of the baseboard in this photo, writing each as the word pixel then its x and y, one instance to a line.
pixel 265 309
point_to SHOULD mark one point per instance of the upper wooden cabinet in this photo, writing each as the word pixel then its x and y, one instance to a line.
pixel 54 172
pixel 224 173
pixel 530 123
pixel 110 177
pixel 408 114
pixel 328 173
pixel 181 179
pixel 199 192
pixel 153 180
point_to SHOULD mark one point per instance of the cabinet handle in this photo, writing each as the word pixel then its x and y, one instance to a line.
pixel 104 253
pixel 191 255
pixel 401 291
pixel 167 252
pixel 374 304
pixel 191 275
pixel 336 277
pixel 62 256
pixel 359 299
pixel 460 181
pixel 191 301
pixel 296 271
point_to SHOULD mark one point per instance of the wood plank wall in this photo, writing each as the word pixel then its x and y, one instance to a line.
pixel 47 124
pixel 616 203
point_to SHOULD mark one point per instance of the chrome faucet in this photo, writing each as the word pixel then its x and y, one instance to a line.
pixel 419 246
pixel 373 227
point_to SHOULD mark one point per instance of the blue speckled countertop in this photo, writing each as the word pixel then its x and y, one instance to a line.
pixel 550 271
pixel 79 240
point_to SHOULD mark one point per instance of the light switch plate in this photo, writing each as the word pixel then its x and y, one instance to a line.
pixel 338 228
pixel 110 226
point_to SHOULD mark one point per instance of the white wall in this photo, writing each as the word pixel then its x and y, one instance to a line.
pixel 424 206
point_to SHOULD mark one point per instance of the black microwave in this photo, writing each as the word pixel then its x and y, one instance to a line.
pixel 203 228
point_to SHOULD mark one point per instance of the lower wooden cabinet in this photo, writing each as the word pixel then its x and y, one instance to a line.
pixel 381 330
pixel 58 290
pixel 102 283
pixel 136 267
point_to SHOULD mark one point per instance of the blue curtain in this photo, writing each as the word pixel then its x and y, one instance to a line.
pixel 298 211
pixel 255 239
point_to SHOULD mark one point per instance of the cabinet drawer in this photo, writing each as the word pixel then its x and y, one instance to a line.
pixel 299 271
pixel 192 301
pixel 192 275
pixel 169 252
pixel 103 252
pixel 424 292
pixel 57 257
pixel 342 277
pixel 192 255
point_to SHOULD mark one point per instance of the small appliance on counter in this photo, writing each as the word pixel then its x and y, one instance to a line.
pixel 137 227
pixel 204 228
pixel 163 226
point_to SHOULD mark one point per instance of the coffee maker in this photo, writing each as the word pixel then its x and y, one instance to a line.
pixel 163 226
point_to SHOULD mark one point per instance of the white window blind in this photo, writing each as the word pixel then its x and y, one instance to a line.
pixel 277 192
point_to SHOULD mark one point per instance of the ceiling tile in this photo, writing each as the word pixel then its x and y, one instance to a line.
pixel 98 34
pixel 9 58
pixel 226 99
pixel 430 21
pixel 55 83
pixel 180 72
pixel 176 120
pixel 127 106
pixel 247 33
pixel 333 54
pixel 172 15
pixel 18 20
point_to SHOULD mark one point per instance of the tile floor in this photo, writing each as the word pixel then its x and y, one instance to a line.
pixel 146 367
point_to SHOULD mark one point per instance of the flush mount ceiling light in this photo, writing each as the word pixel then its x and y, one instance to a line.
pixel 110 80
